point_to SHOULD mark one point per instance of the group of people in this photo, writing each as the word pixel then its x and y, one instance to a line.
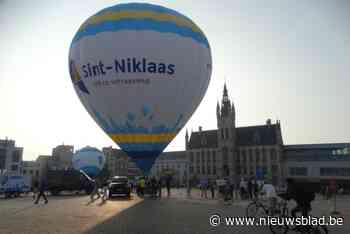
pixel 153 186
pixel 206 185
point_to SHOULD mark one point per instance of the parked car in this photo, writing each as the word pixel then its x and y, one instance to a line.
pixel 119 185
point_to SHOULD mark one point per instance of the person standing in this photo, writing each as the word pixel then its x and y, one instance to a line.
pixel 250 189
pixel 42 188
pixel 212 188
pixel 160 187
pixel 168 185
pixel 142 186
pixel 189 187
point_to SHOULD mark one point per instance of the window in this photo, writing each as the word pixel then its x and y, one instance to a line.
pixel 274 169
pixel 14 167
pixel 334 171
pixel 198 170
pixel 222 134
pixel 238 169
pixel 24 172
pixel 214 157
pixel 208 156
pixel 197 157
pixel 237 156
pixel 298 171
pixel 16 156
pixel 257 156
pixel 243 156
pixel 191 157
pixel 214 170
pixel 226 133
pixel 225 155
pixel 208 170
pixel 203 169
pixel 263 155
pixel 2 158
pixel 191 169
pixel 273 155
pixel 202 156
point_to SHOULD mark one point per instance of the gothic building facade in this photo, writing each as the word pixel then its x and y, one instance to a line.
pixel 235 152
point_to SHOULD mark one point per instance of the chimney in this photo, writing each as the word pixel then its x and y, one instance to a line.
pixel 268 122
pixel 200 128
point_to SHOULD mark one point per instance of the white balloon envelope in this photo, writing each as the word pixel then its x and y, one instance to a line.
pixel 90 160
pixel 140 70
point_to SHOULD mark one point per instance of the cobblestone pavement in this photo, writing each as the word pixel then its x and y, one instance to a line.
pixel 176 214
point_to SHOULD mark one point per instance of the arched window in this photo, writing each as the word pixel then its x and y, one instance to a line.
pixel 257 155
pixel 225 155
pixel 227 133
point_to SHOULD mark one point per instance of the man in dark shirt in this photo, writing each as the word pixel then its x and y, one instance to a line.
pixel 42 188
pixel 302 195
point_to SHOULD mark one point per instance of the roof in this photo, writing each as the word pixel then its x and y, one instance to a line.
pixel 318 146
pixel 173 155
pixel 204 139
pixel 245 136
pixel 316 152
pixel 257 135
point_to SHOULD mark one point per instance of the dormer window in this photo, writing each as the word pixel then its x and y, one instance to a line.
pixel 203 141
pixel 256 138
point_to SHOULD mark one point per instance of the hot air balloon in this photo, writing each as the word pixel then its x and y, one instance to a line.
pixel 140 70
pixel 89 161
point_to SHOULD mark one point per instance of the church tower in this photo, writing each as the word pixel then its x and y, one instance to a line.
pixel 226 122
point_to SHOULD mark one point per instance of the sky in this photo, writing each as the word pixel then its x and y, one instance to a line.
pixel 285 60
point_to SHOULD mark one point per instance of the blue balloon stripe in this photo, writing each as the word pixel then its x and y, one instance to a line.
pixel 140 25
pixel 143 147
pixel 141 7
pixel 144 159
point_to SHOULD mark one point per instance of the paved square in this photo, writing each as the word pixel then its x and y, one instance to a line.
pixel 177 214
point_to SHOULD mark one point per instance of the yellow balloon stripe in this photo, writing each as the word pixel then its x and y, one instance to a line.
pixel 143 138
pixel 115 16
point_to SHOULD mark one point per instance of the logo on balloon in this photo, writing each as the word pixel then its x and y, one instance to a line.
pixel 76 78
pixel 127 65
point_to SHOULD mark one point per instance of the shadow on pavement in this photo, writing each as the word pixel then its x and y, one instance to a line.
pixel 167 216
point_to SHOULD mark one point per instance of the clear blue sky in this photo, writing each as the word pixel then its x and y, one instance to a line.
pixel 281 59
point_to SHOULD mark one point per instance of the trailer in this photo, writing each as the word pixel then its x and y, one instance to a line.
pixel 67 180
pixel 13 186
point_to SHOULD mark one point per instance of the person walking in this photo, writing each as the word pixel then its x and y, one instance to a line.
pixel 96 184
pixel 35 189
pixel 42 188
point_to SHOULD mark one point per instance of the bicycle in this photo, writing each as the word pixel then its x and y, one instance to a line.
pixel 258 207
pixel 303 229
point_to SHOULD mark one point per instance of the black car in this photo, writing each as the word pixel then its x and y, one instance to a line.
pixel 119 185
